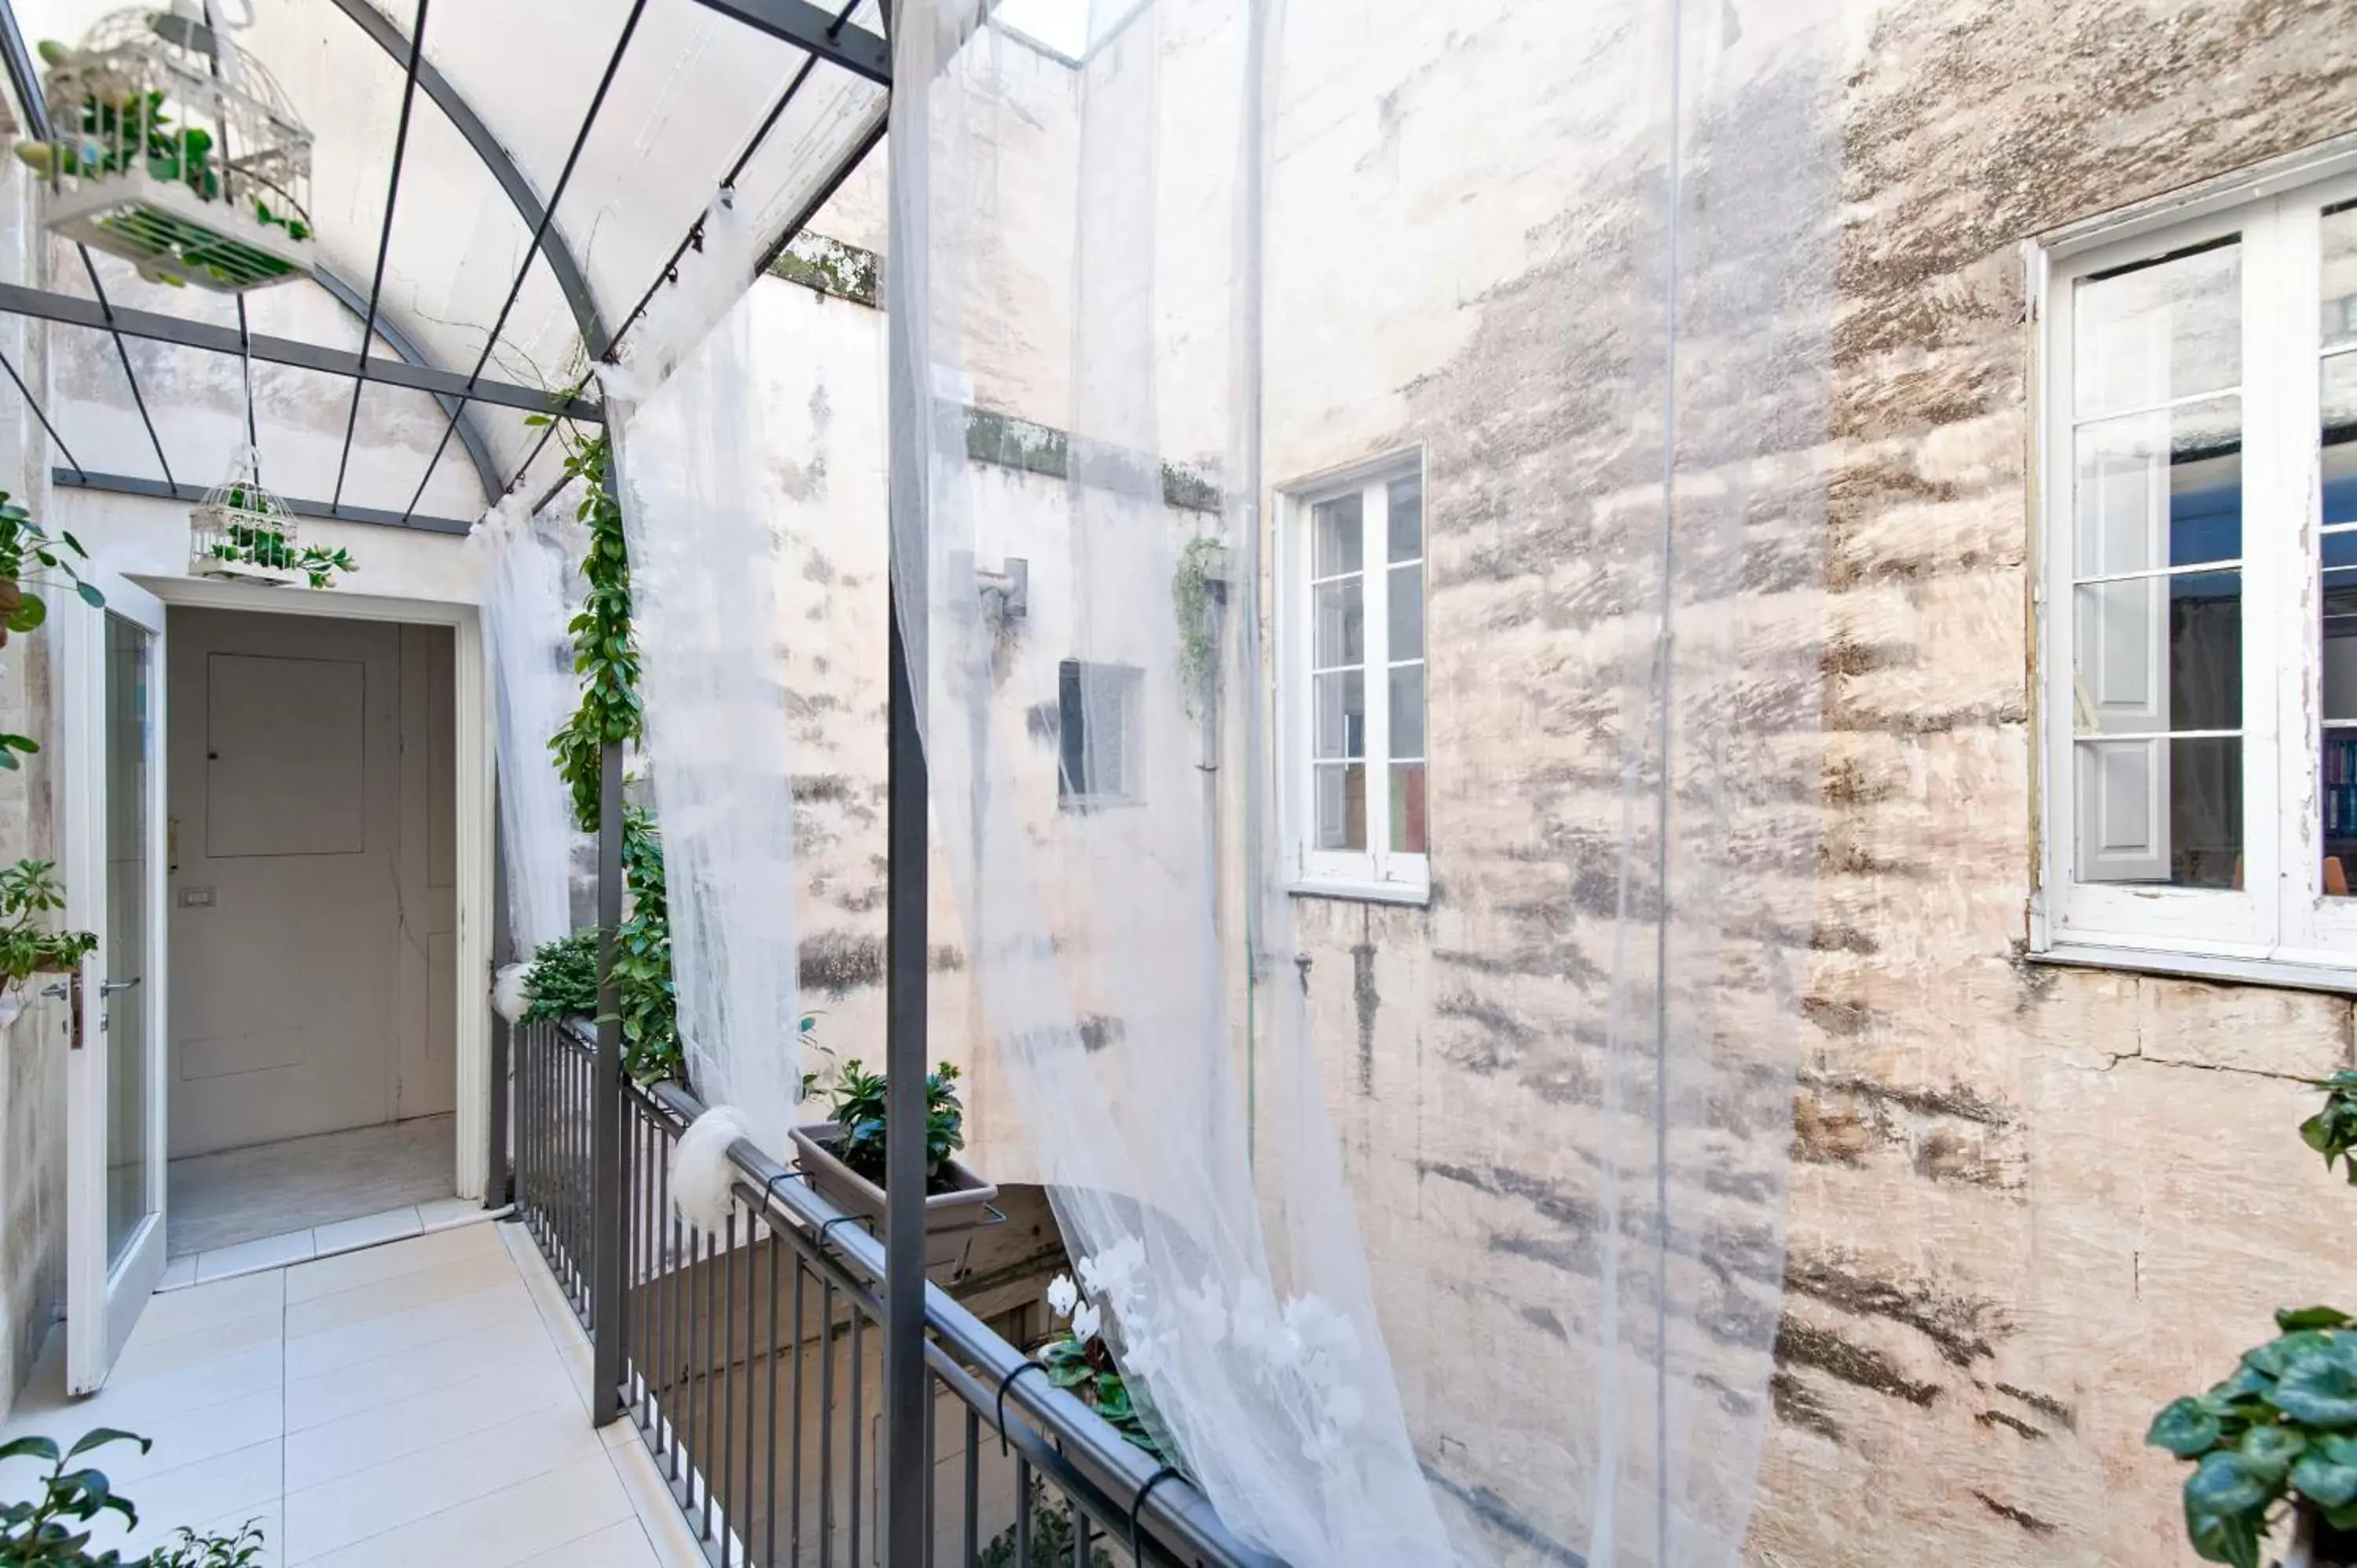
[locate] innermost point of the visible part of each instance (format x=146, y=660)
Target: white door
x=111, y=671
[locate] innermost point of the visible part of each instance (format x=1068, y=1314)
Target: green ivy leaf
x=2184, y=1428
x=2220, y=1485
x=2290, y=1320
x=2268, y=1452
x=2318, y=1389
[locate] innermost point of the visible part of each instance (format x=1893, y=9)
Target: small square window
x=1096, y=734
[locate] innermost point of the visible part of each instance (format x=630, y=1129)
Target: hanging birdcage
x=175, y=152
x=243, y=530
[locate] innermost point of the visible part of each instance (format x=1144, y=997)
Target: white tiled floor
x=320, y=1241
x=421, y=1401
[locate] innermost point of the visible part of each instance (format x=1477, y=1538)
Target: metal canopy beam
x=128, y=485
x=71, y=311
x=806, y=26
x=461, y=115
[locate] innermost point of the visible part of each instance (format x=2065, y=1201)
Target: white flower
x=1062, y=1295
x=1325, y=1333
x=1111, y=1275
x=1206, y=1311
x=1086, y=1321
x=1345, y=1406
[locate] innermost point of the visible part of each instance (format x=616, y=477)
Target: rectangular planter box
x=951, y=1218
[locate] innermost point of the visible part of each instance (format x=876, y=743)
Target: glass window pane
x=2166, y=812
x=2156, y=654
x=2339, y=438
x=1407, y=809
x=1404, y=507
x=2158, y=331
x=1405, y=614
x=2337, y=806
x=2159, y=490
x=1341, y=624
x=1342, y=807
x=1407, y=712
x=1337, y=537
x=1341, y=721
x=2340, y=275
x=127, y=720
x=2336, y=625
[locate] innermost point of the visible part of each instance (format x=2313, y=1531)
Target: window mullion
x=2291, y=457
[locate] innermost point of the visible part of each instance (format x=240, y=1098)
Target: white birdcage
x=176, y=151
x=243, y=530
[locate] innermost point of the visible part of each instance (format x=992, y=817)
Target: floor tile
x=424, y=1420
x=533, y=1519
x=243, y=1483
x=340, y=1513
x=140, y=1362
x=622, y=1545
x=267, y=1189
x=208, y=1306
x=346, y=1235
x=401, y=1292
x=193, y=1436
x=266, y=1252
x=462, y=1356
x=497, y=1306
x=138, y=1403
x=327, y=1275
x=444, y=1212
x=179, y=1272
x=651, y=1498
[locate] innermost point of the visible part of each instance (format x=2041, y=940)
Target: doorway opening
x=312, y=866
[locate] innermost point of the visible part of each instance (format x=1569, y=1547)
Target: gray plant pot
x=951, y=1218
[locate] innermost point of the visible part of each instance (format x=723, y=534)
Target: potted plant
x=843, y=1157
x=21, y=540
x=2274, y=1445
x=29, y=889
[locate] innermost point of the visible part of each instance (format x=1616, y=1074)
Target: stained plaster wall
x=2028, y=1204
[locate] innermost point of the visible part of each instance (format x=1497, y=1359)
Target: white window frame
x=1129, y=679
x=2278, y=927
x=1379, y=874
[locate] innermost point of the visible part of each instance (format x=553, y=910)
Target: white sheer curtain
x=527, y=603
x=1118, y=288
x=687, y=423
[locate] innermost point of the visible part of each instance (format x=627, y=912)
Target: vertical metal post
x=606, y=1113
x=904, y=1528
x=499, y=1186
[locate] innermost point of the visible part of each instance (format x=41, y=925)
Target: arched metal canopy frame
x=798, y=22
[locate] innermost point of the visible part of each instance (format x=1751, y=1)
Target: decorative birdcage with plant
x=176, y=151
x=243, y=530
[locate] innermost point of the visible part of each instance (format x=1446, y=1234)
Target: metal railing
x=752, y=1365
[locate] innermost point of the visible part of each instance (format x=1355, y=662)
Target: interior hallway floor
x=299, y=1184
x=423, y=1401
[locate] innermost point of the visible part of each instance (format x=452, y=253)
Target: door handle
x=109, y=987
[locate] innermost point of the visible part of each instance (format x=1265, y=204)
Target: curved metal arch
x=471, y=433
x=496, y=161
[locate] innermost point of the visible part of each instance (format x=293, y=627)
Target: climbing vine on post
x=605, y=658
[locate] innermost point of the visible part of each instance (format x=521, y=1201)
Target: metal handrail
x=1066, y=1443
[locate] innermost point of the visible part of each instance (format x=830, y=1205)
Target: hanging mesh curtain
x=1582, y=286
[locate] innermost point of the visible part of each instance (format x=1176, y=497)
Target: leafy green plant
x=2332, y=1132
x=2275, y=1442
x=645, y=995
x=266, y=547
x=54, y=1526
x=562, y=979
x=1194, y=593
x=1052, y=1542
x=28, y=890
x=1079, y=1361
x=187, y=1548
x=858, y=1107
x=605, y=653
x=24, y=541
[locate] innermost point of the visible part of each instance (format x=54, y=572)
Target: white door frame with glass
x=111, y=683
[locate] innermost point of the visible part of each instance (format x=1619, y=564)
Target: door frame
x=97, y=1287
x=472, y=751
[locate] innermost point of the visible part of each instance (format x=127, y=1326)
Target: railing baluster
x=932, y=1464
x=971, y=1543
x=728, y=1377
x=826, y=1425
x=859, y=1422
x=777, y=1348
x=794, y=1453
x=711, y=1320
x=1023, y=1512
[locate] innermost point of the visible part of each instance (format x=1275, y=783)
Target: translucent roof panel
x=680, y=92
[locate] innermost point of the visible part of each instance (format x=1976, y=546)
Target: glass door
x=111, y=780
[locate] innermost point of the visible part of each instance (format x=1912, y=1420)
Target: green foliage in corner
x=562, y=979
x=646, y=996
x=2275, y=1442
x=54, y=1527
